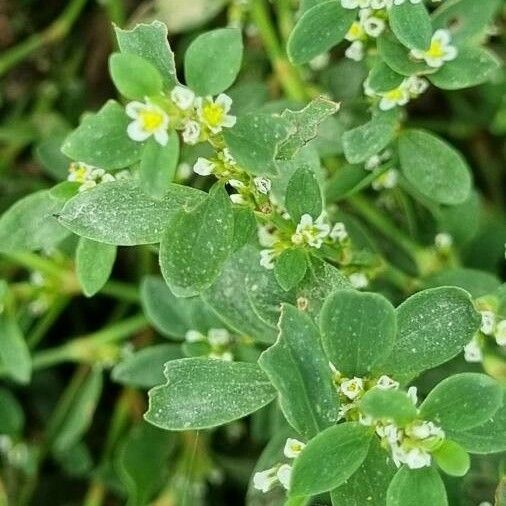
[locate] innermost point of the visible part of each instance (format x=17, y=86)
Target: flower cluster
x=88, y=176
x=376, y=4
x=409, y=89
x=370, y=24
x=439, y=51
x=490, y=327
x=280, y=473
x=217, y=343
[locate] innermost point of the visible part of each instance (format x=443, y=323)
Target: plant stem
x=115, y=11
x=44, y=324
x=58, y=30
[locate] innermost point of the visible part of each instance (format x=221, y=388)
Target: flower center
x=151, y=120
x=436, y=49
x=395, y=94
x=356, y=31
x=213, y=114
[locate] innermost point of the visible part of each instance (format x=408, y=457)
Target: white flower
x=413, y=395
x=487, y=322
x=339, y=232
x=472, y=351
x=265, y=480
x=355, y=51
x=390, y=433
x=203, y=166
x=443, y=241
x=262, y=184
x=400, y=2
x=218, y=337
x=148, y=120
x=353, y=4
x=214, y=113
x=424, y=430
x=416, y=85
x=386, y=181
x=311, y=232
x=183, y=171
x=414, y=458
x=387, y=383
x=191, y=132
x=366, y=420
x=439, y=52
x=373, y=26
x=194, y=336
x=395, y=97
x=221, y=355
x=293, y=447
x=352, y=388
x=320, y=62
x=284, y=475
x=267, y=237
x=358, y=280
x=237, y=198
x=267, y=258
x=355, y=32
x=87, y=175
x=500, y=333
x=183, y=97
x=235, y=183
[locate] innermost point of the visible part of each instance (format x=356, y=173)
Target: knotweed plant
x=315, y=266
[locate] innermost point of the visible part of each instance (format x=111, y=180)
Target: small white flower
x=214, y=113
x=413, y=395
x=203, y=166
x=414, y=458
x=358, y=280
x=238, y=199
x=293, y=447
x=387, y=383
x=311, y=232
x=148, y=120
x=183, y=171
x=284, y=475
x=416, y=86
x=267, y=257
x=191, y=132
x=194, y=336
x=265, y=480
x=366, y=420
x=400, y=2
x=443, y=241
x=439, y=52
x=386, y=181
x=339, y=232
x=487, y=322
x=390, y=433
x=218, y=337
x=355, y=51
x=356, y=32
x=353, y=4
x=372, y=163
x=352, y=388
x=424, y=430
x=262, y=184
x=500, y=333
x=320, y=62
x=235, y=183
x=183, y=97
x=396, y=97
x=373, y=26
x=472, y=351
x=267, y=237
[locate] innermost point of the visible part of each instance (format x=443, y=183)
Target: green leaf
x=411, y=25
x=298, y=368
x=213, y=61
x=29, y=225
x=14, y=354
x=463, y=401
x=120, y=213
x=101, y=139
x=150, y=42
x=368, y=485
x=158, y=166
x=303, y=194
x=144, y=368
x=452, y=458
x=304, y=125
x=134, y=77
x=12, y=417
x=362, y=142
x=473, y=66
x=417, y=487
x=141, y=462
x=245, y=227
x=254, y=139
x=432, y=327
x=358, y=330
x=388, y=405
x=290, y=268
x=196, y=244
x=435, y=168
x=489, y=437
x=330, y=459
x=477, y=283
x=203, y=393
x=382, y=78
x=94, y=262
x=80, y=413
x=318, y=30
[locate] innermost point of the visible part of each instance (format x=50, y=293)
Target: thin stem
x=41, y=328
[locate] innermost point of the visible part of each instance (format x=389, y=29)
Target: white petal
x=225, y=101
x=161, y=136
x=134, y=108
x=136, y=132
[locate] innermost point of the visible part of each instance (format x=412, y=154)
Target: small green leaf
x=330, y=459
x=382, y=78
x=196, y=244
x=452, y=458
x=411, y=25
x=120, y=213
x=134, y=77
x=213, y=61
x=245, y=227
x=318, y=30
x=473, y=66
x=303, y=195
x=203, y=393
x=463, y=401
x=388, y=405
x=290, y=268
x=150, y=42
x=358, y=330
x=298, y=368
x=14, y=354
x=362, y=142
x=101, y=139
x=158, y=166
x=12, y=417
x=432, y=327
x=417, y=487
x=94, y=262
